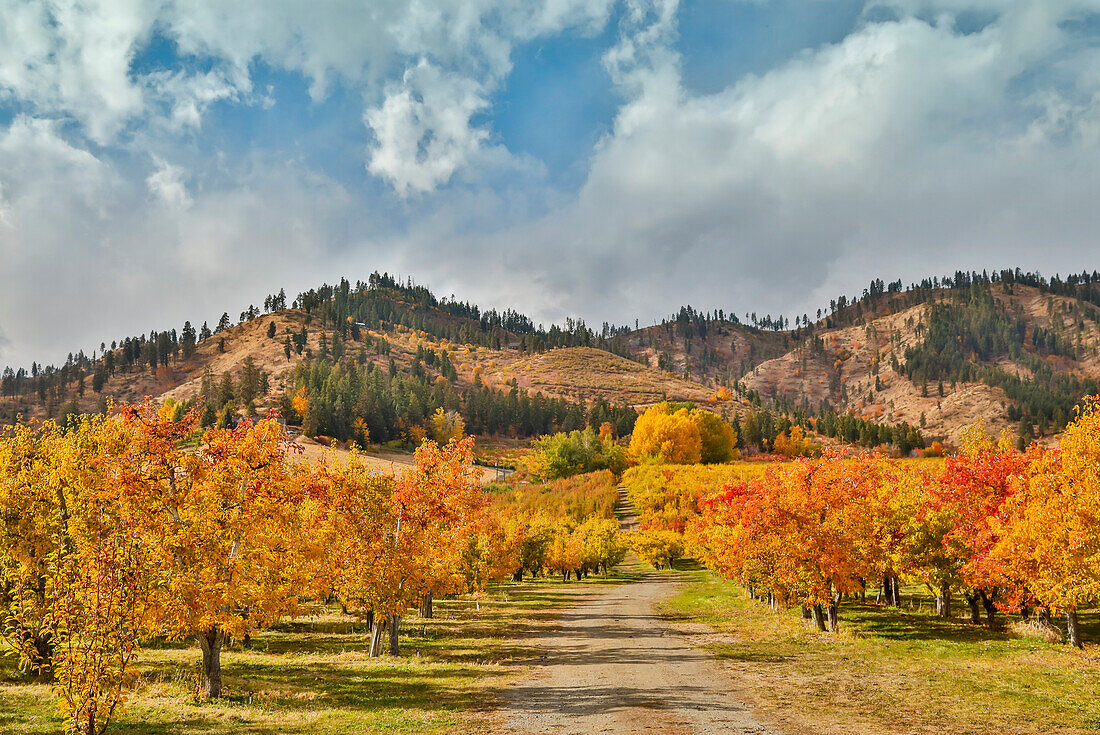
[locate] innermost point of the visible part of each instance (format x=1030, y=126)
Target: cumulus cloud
x=423, y=128
x=922, y=141
x=910, y=147
x=74, y=59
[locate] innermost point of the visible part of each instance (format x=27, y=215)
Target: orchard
x=123, y=530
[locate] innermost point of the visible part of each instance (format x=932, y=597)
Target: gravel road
x=609, y=666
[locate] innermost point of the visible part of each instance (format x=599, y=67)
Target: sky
x=168, y=160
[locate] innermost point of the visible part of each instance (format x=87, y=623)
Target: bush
x=573, y=453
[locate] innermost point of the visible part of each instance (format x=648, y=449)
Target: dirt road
x=610, y=667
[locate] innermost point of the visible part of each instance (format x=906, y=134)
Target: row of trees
x=1014, y=531
x=384, y=301
x=565, y=527
x=139, y=526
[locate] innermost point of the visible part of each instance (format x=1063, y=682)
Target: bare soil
x=611, y=665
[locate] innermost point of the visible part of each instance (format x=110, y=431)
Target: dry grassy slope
x=586, y=373
x=846, y=366
x=242, y=341
x=851, y=353
x=182, y=378
x=735, y=347
x=1068, y=316
x=777, y=364
x=579, y=373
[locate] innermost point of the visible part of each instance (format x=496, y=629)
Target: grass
x=312, y=674
x=891, y=670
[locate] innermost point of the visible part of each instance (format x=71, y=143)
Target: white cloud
x=74, y=59
x=906, y=148
x=188, y=96
x=423, y=129
x=168, y=186
x=39, y=168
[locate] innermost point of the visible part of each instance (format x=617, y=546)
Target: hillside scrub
x=964, y=339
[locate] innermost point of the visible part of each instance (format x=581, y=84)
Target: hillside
x=376, y=359
x=973, y=345
x=586, y=373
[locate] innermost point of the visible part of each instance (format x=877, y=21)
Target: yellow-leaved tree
x=78, y=582
x=680, y=433
x=1050, y=540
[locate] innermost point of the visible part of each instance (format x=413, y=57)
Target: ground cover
x=313, y=675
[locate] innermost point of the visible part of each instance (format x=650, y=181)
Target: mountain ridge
x=869, y=357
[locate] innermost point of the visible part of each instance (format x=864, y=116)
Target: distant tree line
x=354, y=399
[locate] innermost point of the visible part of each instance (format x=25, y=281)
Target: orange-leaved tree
x=388, y=543
x=807, y=533
x=973, y=488
x=222, y=519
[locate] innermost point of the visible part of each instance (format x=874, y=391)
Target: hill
x=375, y=360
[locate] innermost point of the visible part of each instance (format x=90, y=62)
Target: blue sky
x=162, y=161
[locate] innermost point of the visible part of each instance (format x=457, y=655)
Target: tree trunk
x=378, y=626
x=395, y=626
x=370, y=619
x=518, y=576
x=834, y=622
x=895, y=586
x=819, y=617
x=91, y=724
x=806, y=614
x=43, y=648
x=1073, y=629
x=990, y=610
x=943, y=601
x=975, y=612
x=426, y=609
x=211, y=642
